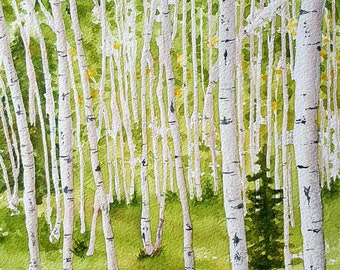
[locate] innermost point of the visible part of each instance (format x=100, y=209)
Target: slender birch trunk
x=12, y=197
x=233, y=203
x=26, y=148
x=197, y=171
x=286, y=251
x=93, y=142
x=50, y=110
x=239, y=102
x=271, y=41
x=145, y=224
x=189, y=262
x=336, y=139
x=307, y=78
x=184, y=63
x=65, y=133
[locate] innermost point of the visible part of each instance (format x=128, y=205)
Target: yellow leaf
x=293, y=33
x=325, y=40
x=324, y=76
x=274, y=105
x=73, y=52
x=323, y=54
x=90, y=73
x=292, y=24
x=338, y=58
x=94, y=93
x=178, y=91
x=188, y=74
x=80, y=100
x=213, y=42
x=148, y=70
x=278, y=71
x=137, y=75
x=264, y=77
x=116, y=45
x=179, y=60
x=245, y=64
x=332, y=73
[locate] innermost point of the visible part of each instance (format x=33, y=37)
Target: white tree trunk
x=197, y=169
x=307, y=78
x=189, y=262
x=65, y=134
x=26, y=148
x=233, y=203
x=93, y=142
x=184, y=63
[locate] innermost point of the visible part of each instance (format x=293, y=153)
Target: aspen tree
x=117, y=128
x=336, y=139
x=26, y=148
x=183, y=61
x=34, y=94
x=65, y=133
x=195, y=116
x=233, y=203
x=79, y=143
x=270, y=42
x=12, y=197
x=145, y=215
x=93, y=143
x=239, y=102
x=284, y=143
x=189, y=262
x=307, y=78
x=50, y=110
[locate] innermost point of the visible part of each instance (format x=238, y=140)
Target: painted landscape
x=167, y=134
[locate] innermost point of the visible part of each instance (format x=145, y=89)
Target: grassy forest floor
x=210, y=238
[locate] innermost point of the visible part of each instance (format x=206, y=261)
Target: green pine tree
x=264, y=221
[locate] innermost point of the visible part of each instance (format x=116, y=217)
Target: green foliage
x=264, y=221
x=332, y=193
x=171, y=196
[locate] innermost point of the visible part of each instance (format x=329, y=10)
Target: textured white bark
x=258, y=75
x=252, y=74
x=239, y=102
x=307, y=78
x=329, y=100
x=208, y=119
x=79, y=144
x=50, y=110
x=189, y=262
x=34, y=94
x=233, y=203
x=165, y=151
x=184, y=64
x=287, y=259
x=261, y=18
x=145, y=215
x=322, y=143
x=336, y=139
x=126, y=124
x=270, y=45
x=65, y=134
x=93, y=143
x=12, y=197
x=197, y=169
x=116, y=128
x=26, y=148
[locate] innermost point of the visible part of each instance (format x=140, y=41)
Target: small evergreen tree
x=264, y=221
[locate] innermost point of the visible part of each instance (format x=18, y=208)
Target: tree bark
x=26, y=148
x=307, y=78
x=233, y=203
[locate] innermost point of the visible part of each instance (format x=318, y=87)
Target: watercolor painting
x=167, y=134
